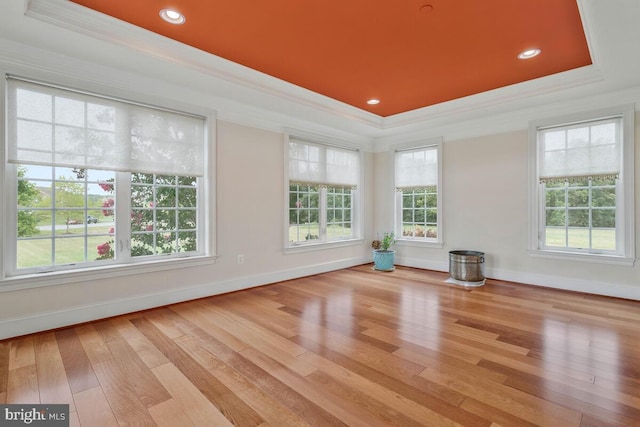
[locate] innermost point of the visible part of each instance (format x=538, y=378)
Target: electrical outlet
x=240, y=259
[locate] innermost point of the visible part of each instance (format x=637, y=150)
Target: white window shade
x=592, y=149
x=53, y=126
x=322, y=164
x=416, y=168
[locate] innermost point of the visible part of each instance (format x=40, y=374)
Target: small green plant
x=388, y=239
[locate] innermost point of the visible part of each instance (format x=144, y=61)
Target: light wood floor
x=352, y=347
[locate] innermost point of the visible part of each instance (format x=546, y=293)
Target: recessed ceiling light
x=529, y=53
x=373, y=101
x=426, y=8
x=172, y=16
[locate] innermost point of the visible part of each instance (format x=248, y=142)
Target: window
x=583, y=185
x=418, y=196
x=99, y=181
x=323, y=187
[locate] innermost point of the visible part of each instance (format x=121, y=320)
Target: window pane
x=188, y=241
x=603, y=218
x=155, y=218
x=187, y=219
x=555, y=217
x=555, y=198
x=69, y=250
x=578, y=218
x=578, y=197
x=303, y=213
x=166, y=197
x=419, y=217
x=407, y=200
x=34, y=253
x=68, y=204
x=578, y=238
x=603, y=197
x=555, y=237
x=604, y=239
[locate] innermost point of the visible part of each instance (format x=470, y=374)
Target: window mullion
x=123, y=216
x=322, y=220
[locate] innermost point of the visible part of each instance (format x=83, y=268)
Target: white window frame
x=625, y=217
x=10, y=281
x=356, y=198
x=396, y=196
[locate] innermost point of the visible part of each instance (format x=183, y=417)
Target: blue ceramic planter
x=383, y=260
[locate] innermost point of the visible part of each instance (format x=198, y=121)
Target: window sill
x=309, y=247
x=420, y=243
x=574, y=256
x=88, y=274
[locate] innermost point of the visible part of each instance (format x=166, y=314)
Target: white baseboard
x=557, y=282
x=74, y=315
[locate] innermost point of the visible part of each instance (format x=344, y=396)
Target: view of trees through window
x=420, y=212
x=306, y=219
x=67, y=216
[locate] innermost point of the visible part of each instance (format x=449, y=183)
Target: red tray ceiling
x=407, y=53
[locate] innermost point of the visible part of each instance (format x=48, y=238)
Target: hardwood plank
x=21, y=353
x=339, y=408
x=253, y=384
x=125, y=403
x=197, y=313
x=149, y=354
x=378, y=412
x=52, y=378
x=589, y=400
x=271, y=410
x=93, y=344
x=4, y=370
x=76, y=363
x=170, y=414
x=412, y=387
x=23, y=385
x=74, y=421
x=226, y=401
x=199, y=410
x=144, y=383
x=498, y=416
x=378, y=392
x=260, y=338
x=93, y=408
x=507, y=399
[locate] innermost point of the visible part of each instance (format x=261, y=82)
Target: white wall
x=250, y=221
x=486, y=209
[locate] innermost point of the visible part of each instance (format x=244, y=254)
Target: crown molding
x=509, y=121
x=480, y=103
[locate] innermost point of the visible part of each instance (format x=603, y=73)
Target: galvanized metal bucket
x=466, y=266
